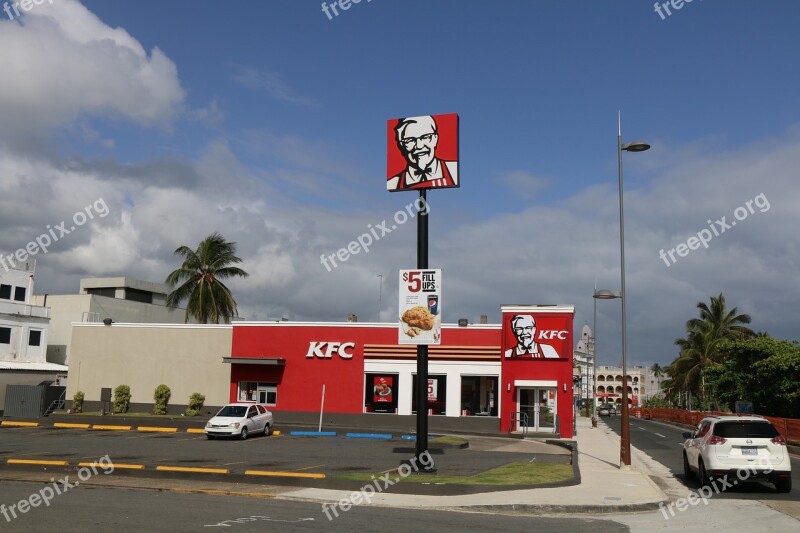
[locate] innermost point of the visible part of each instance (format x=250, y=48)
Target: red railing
x=788, y=427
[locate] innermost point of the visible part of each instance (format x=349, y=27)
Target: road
x=663, y=442
x=87, y=508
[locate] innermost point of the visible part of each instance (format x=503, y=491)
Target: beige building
x=118, y=299
x=641, y=383
x=188, y=358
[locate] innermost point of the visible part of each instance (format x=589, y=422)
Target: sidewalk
x=603, y=487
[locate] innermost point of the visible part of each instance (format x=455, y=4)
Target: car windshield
x=745, y=429
x=233, y=411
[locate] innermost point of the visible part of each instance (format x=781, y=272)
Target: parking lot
x=296, y=456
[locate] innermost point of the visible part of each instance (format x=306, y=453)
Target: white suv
x=740, y=447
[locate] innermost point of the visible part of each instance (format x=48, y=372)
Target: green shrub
x=77, y=402
x=122, y=399
x=161, y=397
x=196, y=401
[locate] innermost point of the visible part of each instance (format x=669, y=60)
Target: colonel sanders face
x=524, y=328
x=417, y=139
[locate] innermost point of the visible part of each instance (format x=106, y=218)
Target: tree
x=727, y=325
x=762, y=370
x=700, y=349
x=200, y=275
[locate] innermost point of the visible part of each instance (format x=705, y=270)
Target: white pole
x=321, y=407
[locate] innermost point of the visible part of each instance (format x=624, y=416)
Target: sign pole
x=321, y=408
x=422, y=349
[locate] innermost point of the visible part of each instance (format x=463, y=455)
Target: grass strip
x=508, y=474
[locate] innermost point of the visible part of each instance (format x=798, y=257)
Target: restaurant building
x=516, y=375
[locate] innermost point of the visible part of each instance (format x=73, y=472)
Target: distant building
x=117, y=299
x=642, y=384
x=583, y=356
x=23, y=335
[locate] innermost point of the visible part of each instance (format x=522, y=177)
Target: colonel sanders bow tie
x=423, y=173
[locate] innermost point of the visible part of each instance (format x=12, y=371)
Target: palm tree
x=723, y=324
x=700, y=348
x=208, y=299
x=657, y=370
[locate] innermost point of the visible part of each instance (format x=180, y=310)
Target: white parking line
x=660, y=435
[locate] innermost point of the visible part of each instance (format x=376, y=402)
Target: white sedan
x=240, y=420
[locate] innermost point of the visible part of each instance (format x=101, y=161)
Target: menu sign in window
x=382, y=389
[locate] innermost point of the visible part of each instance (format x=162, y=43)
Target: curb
x=542, y=509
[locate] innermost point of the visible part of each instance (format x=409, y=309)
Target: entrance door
x=537, y=406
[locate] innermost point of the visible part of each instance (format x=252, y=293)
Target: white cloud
x=61, y=62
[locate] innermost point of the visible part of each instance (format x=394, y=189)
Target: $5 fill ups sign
x=420, y=306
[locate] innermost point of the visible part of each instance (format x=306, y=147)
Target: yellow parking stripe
x=114, y=465
x=36, y=462
x=69, y=425
x=193, y=469
x=195, y=430
x=112, y=428
x=19, y=424
x=283, y=474
x=157, y=429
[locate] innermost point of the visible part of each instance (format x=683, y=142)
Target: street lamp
x=625, y=439
x=601, y=294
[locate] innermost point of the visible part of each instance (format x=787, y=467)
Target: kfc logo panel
x=535, y=337
x=423, y=153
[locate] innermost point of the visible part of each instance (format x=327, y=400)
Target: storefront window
x=437, y=395
x=479, y=396
x=260, y=392
x=380, y=393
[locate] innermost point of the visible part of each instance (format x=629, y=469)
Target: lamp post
x=380, y=297
x=625, y=437
x=601, y=294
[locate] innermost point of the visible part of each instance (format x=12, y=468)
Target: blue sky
x=265, y=121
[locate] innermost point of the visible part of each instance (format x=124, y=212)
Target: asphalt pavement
x=601, y=486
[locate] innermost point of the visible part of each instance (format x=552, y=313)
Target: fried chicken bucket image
x=419, y=317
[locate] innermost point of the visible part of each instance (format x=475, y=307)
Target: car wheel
x=211, y=437
x=243, y=434
x=268, y=430
x=783, y=485
x=703, y=474
x=687, y=470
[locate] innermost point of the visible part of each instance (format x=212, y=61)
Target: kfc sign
x=536, y=335
x=552, y=334
x=422, y=153
x=326, y=350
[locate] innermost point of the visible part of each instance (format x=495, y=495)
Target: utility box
x=31, y=401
